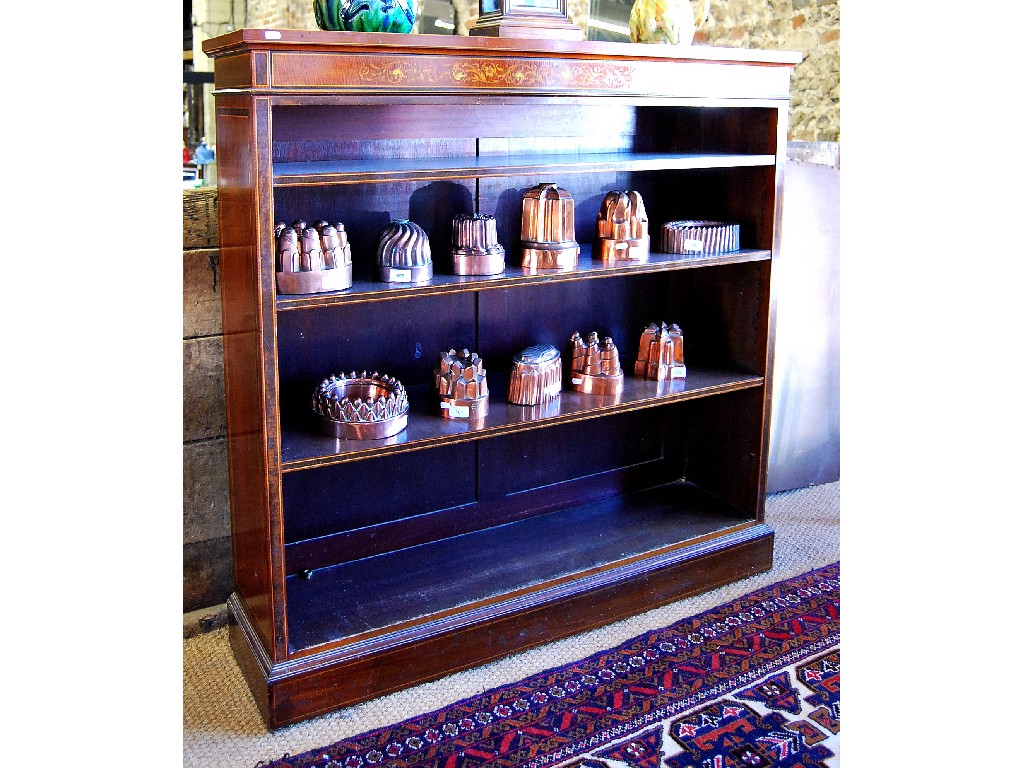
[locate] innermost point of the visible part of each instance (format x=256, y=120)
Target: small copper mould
x=594, y=367
x=475, y=246
x=312, y=259
x=693, y=236
x=549, y=229
x=403, y=253
x=361, y=406
x=661, y=353
x=461, y=383
x=536, y=375
x=622, y=232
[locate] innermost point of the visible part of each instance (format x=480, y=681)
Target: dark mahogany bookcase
x=362, y=567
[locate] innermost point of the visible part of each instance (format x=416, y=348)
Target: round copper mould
x=549, y=228
x=312, y=259
x=361, y=406
x=475, y=246
x=536, y=375
x=697, y=236
x=594, y=367
x=461, y=383
x=403, y=253
x=622, y=228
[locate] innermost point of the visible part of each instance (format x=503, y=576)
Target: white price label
x=456, y=411
x=577, y=381
x=271, y=34
x=678, y=371
x=401, y=275
x=552, y=389
x=693, y=245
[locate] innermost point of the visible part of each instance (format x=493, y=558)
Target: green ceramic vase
x=365, y=15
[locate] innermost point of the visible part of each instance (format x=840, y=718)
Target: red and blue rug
x=754, y=682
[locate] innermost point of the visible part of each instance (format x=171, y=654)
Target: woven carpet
x=744, y=675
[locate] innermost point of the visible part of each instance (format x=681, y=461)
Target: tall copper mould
x=403, y=253
x=312, y=259
x=698, y=236
x=549, y=229
x=461, y=383
x=622, y=232
x=661, y=353
x=536, y=375
x=361, y=406
x=475, y=246
x=594, y=365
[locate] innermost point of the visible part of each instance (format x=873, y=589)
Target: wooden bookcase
x=365, y=567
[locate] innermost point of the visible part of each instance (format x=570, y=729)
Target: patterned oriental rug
x=754, y=682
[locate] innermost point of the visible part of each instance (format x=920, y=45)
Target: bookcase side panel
x=248, y=322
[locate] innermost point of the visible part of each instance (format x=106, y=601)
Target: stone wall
x=206, y=525
x=280, y=14
x=808, y=26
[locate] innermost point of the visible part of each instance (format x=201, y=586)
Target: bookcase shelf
x=361, y=171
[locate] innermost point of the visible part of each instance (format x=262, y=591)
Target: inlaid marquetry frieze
x=491, y=73
x=369, y=73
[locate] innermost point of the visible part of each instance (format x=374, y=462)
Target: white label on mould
x=678, y=372
x=577, y=381
x=271, y=34
x=552, y=389
x=401, y=275
x=693, y=245
x=456, y=411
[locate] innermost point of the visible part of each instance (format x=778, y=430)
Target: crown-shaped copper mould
x=622, y=230
x=403, y=253
x=361, y=406
x=549, y=228
x=461, y=383
x=312, y=259
x=696, y=236
x=475, y=246
x=661, y=353
x=536, y=375
x=594, y=367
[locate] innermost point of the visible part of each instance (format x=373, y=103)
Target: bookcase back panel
x=402, y=339
x=347, y=497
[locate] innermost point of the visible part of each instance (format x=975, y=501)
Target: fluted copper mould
x=536, y=375
x=549, y=229
x=594, y=365
x=700, y=236
x=661, y=353
x=403, y=253
x=461, y=383
x=312, y=259
x=361, y=406
x=622, y=232
x=475, y=246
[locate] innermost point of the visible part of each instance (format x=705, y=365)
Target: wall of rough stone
x=808, y=26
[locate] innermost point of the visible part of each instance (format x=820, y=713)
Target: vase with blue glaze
x=365, y=15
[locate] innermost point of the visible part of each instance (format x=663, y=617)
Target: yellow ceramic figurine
x=666, y=21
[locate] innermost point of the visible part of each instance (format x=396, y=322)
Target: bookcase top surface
x=355, y=42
